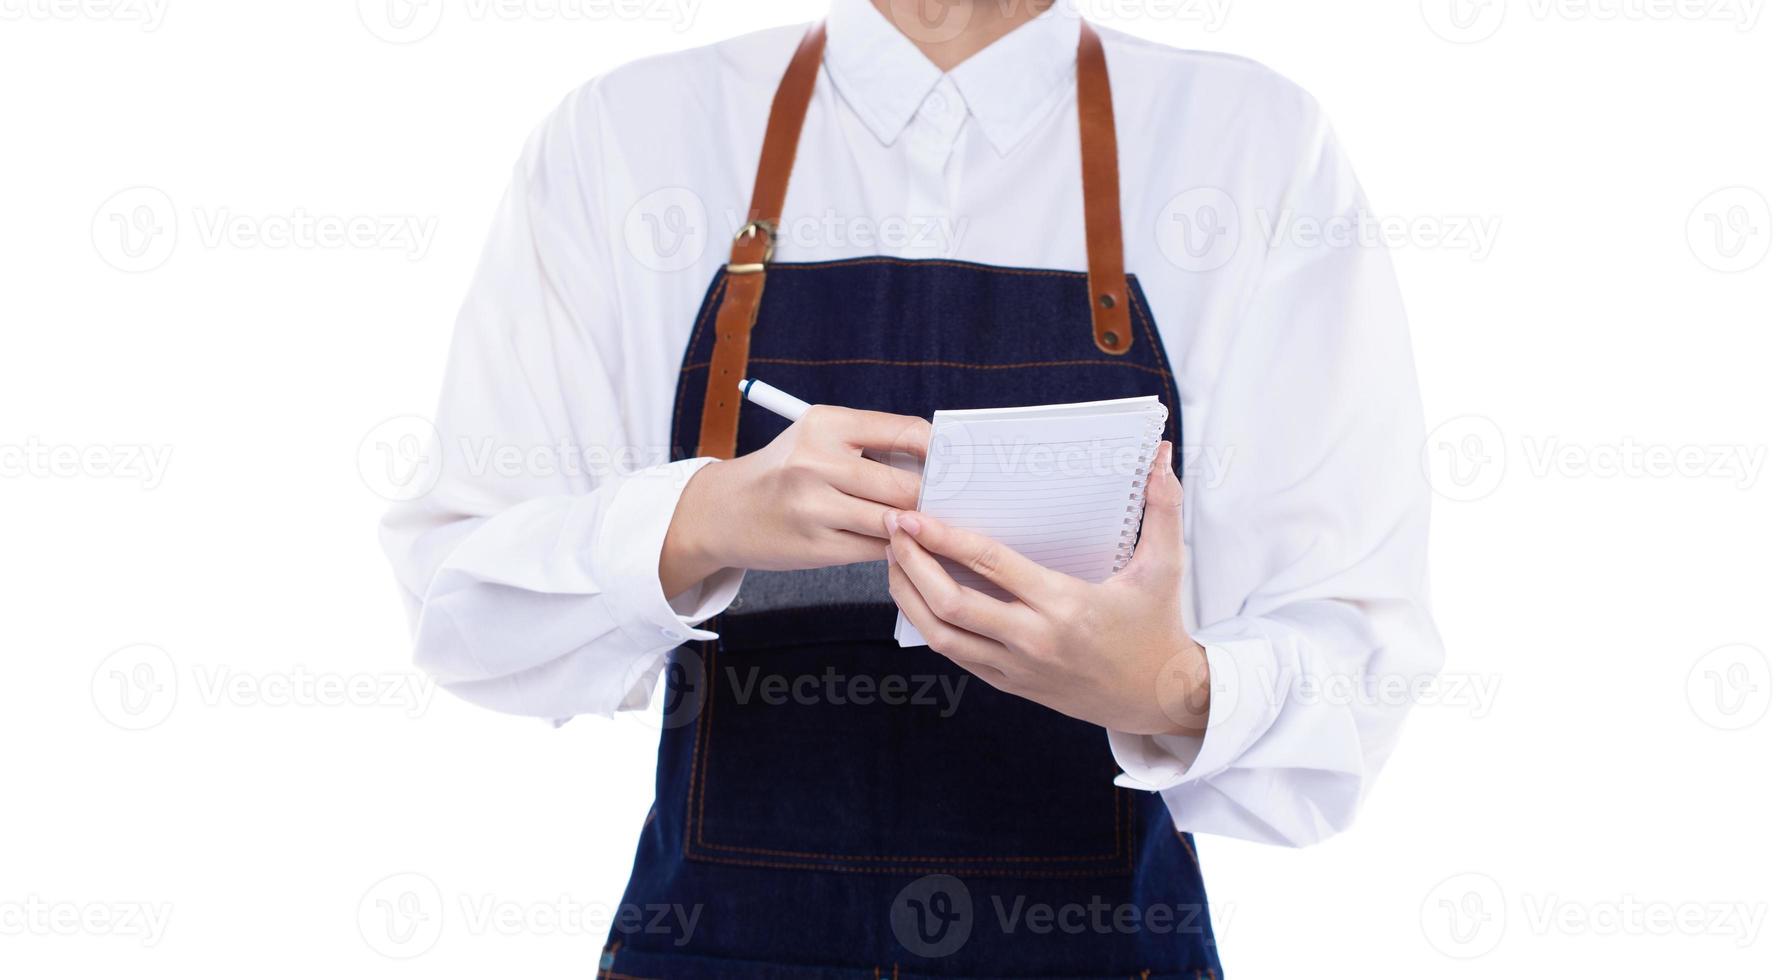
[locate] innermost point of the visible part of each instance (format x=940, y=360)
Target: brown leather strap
x=746, y=275
x=1102, y=198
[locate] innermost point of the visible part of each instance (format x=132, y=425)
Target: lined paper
x=1059, y=484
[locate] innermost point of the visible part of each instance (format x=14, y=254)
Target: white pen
x=773, y=399
x=790, y=408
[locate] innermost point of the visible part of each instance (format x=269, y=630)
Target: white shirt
x=532, y=563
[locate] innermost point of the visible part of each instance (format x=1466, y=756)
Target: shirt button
x=936, y=104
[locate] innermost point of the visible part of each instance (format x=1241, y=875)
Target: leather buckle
x=751, y=230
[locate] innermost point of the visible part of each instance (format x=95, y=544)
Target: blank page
x=1061, y=484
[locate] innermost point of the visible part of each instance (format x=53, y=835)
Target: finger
x=1161, y=530
x=881, y=430
x=996, y=562
x=976, y=654
x=845, y=548
x=845, y=513
x=875, y=481
x=965, y=607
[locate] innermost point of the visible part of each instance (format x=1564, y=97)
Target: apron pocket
x=822, y=745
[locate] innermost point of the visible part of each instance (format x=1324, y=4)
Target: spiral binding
x=1136, y=494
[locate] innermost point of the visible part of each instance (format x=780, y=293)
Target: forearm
x=1305, y=704
x=690, y=553
x=551, y=606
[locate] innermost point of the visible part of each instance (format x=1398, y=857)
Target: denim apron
x=829, y=804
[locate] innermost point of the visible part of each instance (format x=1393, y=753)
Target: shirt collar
x=1007, y=87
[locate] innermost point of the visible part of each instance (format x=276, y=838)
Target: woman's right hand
x=808, y=499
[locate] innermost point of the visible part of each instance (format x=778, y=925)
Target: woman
x=942, y=216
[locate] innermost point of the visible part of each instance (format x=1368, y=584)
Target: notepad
x=1063, y=485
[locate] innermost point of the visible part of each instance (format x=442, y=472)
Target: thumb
x=1161, y=533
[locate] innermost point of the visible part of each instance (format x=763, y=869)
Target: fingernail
x=910, y=523
x=891, y=522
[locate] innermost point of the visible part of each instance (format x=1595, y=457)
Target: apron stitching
x=810, y=361
x=706, y=746
x=919, y=263
x=700, y=838
x=681, y=390
x=1158, y=353
x=918, y=869
x=687, y=832
x=1074, y=859
x=1133, y=811
x=709, y=306
x=1184, y=839
x=723, y=279
x=710, y=310
x=1158, y=347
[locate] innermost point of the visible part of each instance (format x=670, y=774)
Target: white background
x=1600, y=767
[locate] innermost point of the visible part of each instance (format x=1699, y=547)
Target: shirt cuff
x=631, y=546
x=1242, y=703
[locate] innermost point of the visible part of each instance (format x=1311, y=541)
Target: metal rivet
x=1107, y=300
x=1110, y=340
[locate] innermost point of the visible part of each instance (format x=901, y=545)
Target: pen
x=773, y=399
x=790, y=408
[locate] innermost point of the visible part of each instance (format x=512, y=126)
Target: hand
x=806, y=500
x=1115, y=654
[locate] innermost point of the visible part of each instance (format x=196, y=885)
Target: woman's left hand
x=1115, y=653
